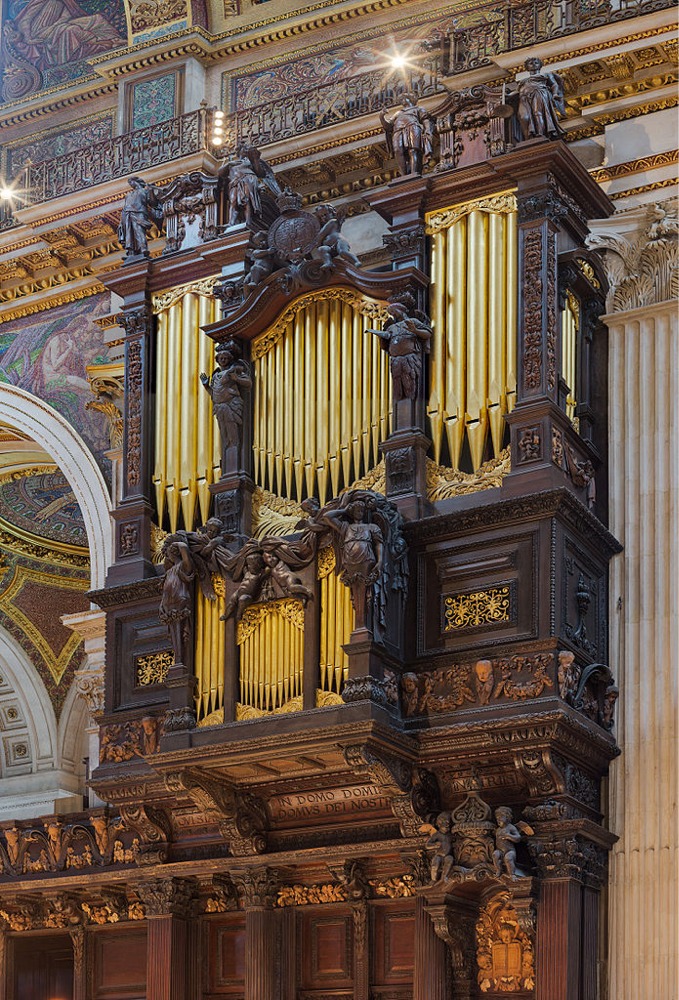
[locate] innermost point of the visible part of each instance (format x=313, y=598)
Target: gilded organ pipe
x=209, y=651
x=187, y=458
x=337, y=623
x=473, y=311
x=322, y=395
x=570, y=324
x=270, y=638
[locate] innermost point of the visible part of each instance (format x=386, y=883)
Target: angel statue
x=230, y=380
x=331, y=243
x=538, y=100
x=410, y=135
x=141, y=211
x=507, y=836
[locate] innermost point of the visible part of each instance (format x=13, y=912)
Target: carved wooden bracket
x=241, y=817
x=413, y=792
x=152, y=826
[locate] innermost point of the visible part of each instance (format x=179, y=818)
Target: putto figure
x=540, y=99
x=232, y=377
x=410, y=135
x=141, y=211
x=406, y=338
x=507, y=836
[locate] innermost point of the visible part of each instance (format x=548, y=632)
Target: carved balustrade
x=515, y=26
x=332, y=103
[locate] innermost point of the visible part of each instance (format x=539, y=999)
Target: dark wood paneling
x=224, y=963
x=393, y=943
x=43, y=968
x=326, y=942
x=119, y=964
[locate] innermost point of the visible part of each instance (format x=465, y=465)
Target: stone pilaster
x=89, y=678
x=640, y=256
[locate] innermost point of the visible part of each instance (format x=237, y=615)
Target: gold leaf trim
x=443, y=482
x=164, y=300
x=244, y=712
x=370, y=308
x=326, y=562
x=482, y=607
x=288, y=608
x=504, y=203
x=273, y=515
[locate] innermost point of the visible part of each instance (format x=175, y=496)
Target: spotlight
x=398, y=62
x=6, y=193
x=217, y=140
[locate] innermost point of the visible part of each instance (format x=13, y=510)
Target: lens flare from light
x=6, y=193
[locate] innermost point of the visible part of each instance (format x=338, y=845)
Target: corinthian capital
x=640, y=252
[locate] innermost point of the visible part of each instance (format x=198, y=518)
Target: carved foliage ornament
x=58, y=846
x=504, y=951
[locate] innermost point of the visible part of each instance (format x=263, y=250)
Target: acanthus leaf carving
x=241, y=817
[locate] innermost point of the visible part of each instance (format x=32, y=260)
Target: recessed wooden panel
x=119, y=959
x=225, y=956
x=43, y=968
x=393, y=943
x=325, y=942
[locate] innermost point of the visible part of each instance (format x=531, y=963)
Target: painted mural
x=45, y=43
x=47, y=355
x=43, y=504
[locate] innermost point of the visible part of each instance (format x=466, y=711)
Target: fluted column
x=431, y=958
x=169, y=908
x=258, y=889
x=641, y=261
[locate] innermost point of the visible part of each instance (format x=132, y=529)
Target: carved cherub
x=262, y=257
x=441, y=843
x=409, y=694
x=507, y=836
x=331, y=242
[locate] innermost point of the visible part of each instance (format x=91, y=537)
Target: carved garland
x=532, y=309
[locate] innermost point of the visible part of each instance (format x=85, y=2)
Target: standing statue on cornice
x=244, y=178
x=231, y=378
x=141, y=211
x=539, y=100
x=410, y=135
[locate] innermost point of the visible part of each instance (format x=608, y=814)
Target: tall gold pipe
x=438, y=344
x=356, y=386
x=173, y=455
x=366, y=372
x=335, y=378
x=346, y=333
x=511, y=230
x=188, y=386
x=160, y=443
x=278, y=441
x=477, y=336
x=298, y=406
x=497, y=322
x=456, y=337
x=324, y=404
x=308, y=392
x=289, y=409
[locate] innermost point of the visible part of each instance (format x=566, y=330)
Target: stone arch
x=45, y=425
x=34, y=776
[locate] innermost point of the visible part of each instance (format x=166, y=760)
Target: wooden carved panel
x=119, y=964
x=224, y=963
x=327, y=959
x=480, y=595
x=43, y=968
x=393, y=943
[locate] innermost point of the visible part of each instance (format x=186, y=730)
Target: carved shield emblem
x=294, y=235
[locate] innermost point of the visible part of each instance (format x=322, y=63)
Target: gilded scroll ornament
x=443, y=482
x=368, y=308
x=504, y=951
x=152, y=668
x=503, y=204
x=164, y=300
x=290, y=610
x=481, y=607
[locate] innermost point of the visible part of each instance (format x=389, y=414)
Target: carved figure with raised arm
x=410, y=135
x=231, y=378
x=406, y=338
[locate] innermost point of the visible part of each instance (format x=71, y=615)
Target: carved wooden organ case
x=388, y=784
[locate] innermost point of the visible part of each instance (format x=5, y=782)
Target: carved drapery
x=187, y=448
x=473, y=311
x=322, y=395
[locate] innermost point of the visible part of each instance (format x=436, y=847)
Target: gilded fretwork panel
x=187, y=451
x=473, y=305
x=322, y=395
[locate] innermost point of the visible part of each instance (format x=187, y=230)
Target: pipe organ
x=322, y=395
x=473, y=303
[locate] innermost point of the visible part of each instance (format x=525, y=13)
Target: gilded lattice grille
x=473, y=305
x=187, y=457
x=270, y=638
x=322, y=395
